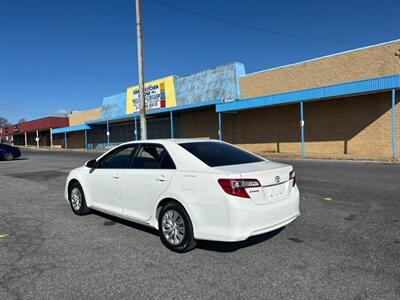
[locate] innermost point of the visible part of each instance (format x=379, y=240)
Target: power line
x=251, y=27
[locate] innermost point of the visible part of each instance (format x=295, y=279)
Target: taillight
x=292, y=176
x=237, y=187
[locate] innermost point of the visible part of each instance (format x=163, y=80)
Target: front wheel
x=77, y=200
x=8, y=156
x=175, y=227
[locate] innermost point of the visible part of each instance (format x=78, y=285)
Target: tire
x=8, y=156
x=77, y=200
x=174, y=217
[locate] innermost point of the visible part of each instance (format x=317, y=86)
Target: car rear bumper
x=247, y=219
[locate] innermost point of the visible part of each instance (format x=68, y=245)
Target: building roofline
x=157, y=79
x=38, y=119
x=156, y=111
x=321, y=57
x=83, y=111
x=208, y=69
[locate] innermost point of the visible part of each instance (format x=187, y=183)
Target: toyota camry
x=188, y=190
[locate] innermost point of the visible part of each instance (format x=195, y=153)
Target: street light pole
x=143, y=125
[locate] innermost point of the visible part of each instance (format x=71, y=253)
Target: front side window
x=153, y=157
x=216, y=154
x=120, y=158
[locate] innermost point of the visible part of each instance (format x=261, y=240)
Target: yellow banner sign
x=159, y=93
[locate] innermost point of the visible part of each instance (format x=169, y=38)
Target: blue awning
x=71, y=129
x=326, y=92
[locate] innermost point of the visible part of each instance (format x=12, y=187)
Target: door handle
x=115, y=176
x=161, y=178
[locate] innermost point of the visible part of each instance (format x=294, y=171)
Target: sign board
x=158, y=94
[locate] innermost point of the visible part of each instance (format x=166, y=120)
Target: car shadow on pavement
x=15, y=159
x=234, y=246
x=201, y=244
x=111, y=220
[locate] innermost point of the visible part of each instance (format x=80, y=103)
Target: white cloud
x=63, y=112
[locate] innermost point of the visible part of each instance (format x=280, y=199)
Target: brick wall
x=377, y=61
x=357, y=126
x=198, y=123
x=81, y=117
x=274, y=129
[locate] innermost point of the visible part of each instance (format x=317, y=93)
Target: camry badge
x=277, y=179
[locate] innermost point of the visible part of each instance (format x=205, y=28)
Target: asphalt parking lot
x=345, y=244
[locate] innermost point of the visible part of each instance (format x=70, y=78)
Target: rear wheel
x=77, y=200
x=8, y=156
x=175, y=227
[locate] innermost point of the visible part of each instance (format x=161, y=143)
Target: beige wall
x=84, y=116
x=274, y=129
x=357, y=126
x=362, y=64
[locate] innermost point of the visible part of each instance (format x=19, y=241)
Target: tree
x=3, y=122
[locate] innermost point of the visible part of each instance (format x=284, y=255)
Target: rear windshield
x=217, y=154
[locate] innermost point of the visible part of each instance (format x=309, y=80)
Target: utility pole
x=143, y=125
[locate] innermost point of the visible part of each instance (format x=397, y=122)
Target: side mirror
x=91, y=164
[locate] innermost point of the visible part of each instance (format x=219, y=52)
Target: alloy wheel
x=8, y=157
x=76, y=198
x=173, y=227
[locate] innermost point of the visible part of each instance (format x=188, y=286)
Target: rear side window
x=216, y=154
x=153, y=157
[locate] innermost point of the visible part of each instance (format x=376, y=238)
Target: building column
x=171, y=116
x=394, y=150
x=108, y=135
x=302, y=128
x=135, y=129
x=37, y=138
x=219, y=126
x=12, y=140
x=51, y=138
x=66, y=140
x=26, y=139
x=86, y=139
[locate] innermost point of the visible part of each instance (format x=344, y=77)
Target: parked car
x=187, y=189
x=8, y=152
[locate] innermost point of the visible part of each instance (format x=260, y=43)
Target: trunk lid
x=273, y=177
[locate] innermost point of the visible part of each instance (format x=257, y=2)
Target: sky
x=62, y=55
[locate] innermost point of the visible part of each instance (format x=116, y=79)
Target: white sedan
x=187, y=189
